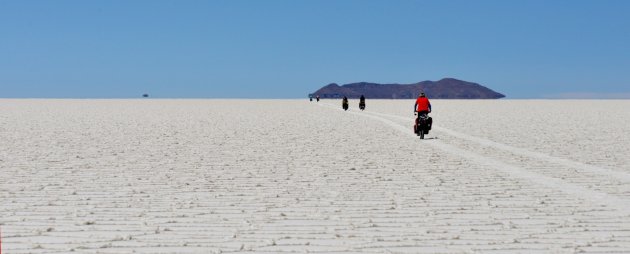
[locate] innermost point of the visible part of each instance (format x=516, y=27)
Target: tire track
x=596, y=197
x=524, y=152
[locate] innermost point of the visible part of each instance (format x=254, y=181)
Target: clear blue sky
x=286, y=49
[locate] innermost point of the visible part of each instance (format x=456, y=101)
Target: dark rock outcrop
x=447, y=88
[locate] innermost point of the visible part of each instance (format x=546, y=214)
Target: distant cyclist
x=423, y=108
x=344, y=103
x=362, y=102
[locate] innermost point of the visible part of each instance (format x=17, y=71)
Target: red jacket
x=423, y=104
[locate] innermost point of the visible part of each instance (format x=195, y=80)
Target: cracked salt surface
x=219, y=176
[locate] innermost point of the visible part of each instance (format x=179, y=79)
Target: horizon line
x=550, y=97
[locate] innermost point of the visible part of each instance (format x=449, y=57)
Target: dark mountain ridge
x=447, y=88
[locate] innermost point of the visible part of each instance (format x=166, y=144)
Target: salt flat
x=273, y=176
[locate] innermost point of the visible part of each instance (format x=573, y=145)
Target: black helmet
x=422, y=94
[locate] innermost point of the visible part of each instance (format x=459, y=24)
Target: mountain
x=447, y=88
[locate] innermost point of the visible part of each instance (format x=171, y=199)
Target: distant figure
x=146, y=95
x=317, y=97
x=362, y=103
x=344, y=103
x=423, y=108
x=310, y=97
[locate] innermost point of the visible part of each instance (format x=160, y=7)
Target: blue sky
x=287, y=49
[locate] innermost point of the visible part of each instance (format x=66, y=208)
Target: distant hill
x=447, y=88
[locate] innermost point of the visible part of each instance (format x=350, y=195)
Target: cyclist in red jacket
x=423, y=107
x=422, y=104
